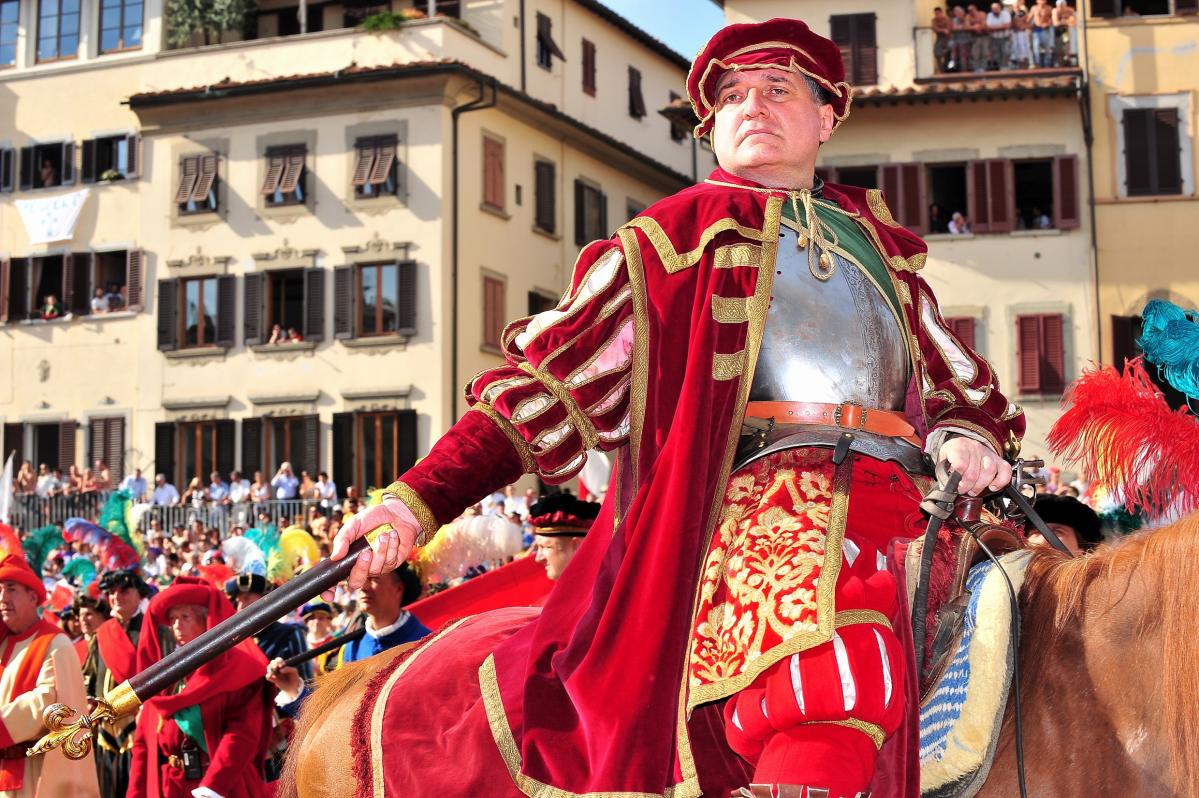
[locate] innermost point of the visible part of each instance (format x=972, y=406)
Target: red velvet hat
x=13, y=568
x=562, y=515
x=785, y=44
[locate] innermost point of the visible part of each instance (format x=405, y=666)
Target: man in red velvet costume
x=208, y=737
x=732, y=622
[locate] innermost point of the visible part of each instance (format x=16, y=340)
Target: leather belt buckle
x=850, y=415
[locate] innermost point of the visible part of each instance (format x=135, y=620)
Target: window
x=106, y=442
x=57, y=29
x=47, y=165
x=633, y=207
x=196, y=312
x=290, y=439
x=904, y=189
x=119, y=274
x=286, y=21
x=53, y=286
x=591, y=213
x=285, y=300
x=1142, y=8
x=13, y=442
x=494, y=316
x=286, y=176
x=636, y=100
x=376, y=168
x=197, y=191
x=545, y=188
x=678, y=130
x=109, y=158
x=10, y=11
x=202, y=447
x=293, y=299
x=371, y=449
x=493, y=173
x=547, y=48
x=999, y=195
x=1040, y=353
x=120, y=25
x=1126, y=330
x=854, y=34
x=1152, y=147
x=8, y=159
x=54, y=444
x=540, y=302
x=374, y=299
x=588, y=67
x=963, y=328
x=860, y=176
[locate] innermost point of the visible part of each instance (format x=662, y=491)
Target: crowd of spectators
x=1010, y=35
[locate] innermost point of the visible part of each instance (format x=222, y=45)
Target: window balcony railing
x=966, y=55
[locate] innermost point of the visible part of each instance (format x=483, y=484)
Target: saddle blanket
x=961, y=717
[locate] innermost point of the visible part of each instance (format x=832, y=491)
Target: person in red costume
x=208, y=737
x=765, y=363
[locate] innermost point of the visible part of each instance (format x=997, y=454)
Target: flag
x=6, y=496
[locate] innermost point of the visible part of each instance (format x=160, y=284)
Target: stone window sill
x=291, y=346
x=552, y=236
x=215, y=352
x=373, y=341
x=494, y=211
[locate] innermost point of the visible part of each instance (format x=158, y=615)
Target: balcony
x=935, y=64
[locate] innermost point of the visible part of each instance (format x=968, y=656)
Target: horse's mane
x=1168, y=560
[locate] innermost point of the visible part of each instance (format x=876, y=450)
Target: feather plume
x=296, y=549
x=1121, y=431
x=112, y=553
x=479, y=540
x=244, y=556
x=1170, y=340
x=115, y=517
x=39, y=543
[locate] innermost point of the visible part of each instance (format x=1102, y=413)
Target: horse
x=1109, y=671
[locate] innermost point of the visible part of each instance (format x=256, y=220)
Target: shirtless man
x=1042, y=34
x=1065, y=22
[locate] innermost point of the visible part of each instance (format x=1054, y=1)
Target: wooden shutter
x=314, y=304
x=1125, y=332
x=493, y=311
x=164, y=450
x=274, y=173
x=865, y=50
x=14, y=443
x=841, y=32
x=310, y=460
x=904, y=190
x=343, y=451
x=252, y=312
x=1000, y=196
x=17, y=305
x=406, y=301
x=962, y=328
x=1166, y=151
x=27, y=169
x=293, y=168
x=225, y=443
x=602, y=199
x=976, y=196
x=135, y=266
x=6, y=170
x=588, y=67
x=1138, y=162
x=168, y=315
x=544, y=188
x=364, y=159
x=5, y=271
x=68, y=163
x=67, y=295
x=1053, y=355
x=87, y=169
x=493, y=172
x=189, y=174
x=1065, y=192
x=133, y=145
x=385, y=154
x=251, y=446
x=1028, y=354
x=407, y=454
x=545, y=35
x=343, y=302
x=207, y=178
x=97, y=429
x=80, y=268
x=66, y=445
x=107, y=443
x=580, y=213
x=226, y=309
x=636, y=99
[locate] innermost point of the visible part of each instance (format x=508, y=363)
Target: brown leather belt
x=847, y=415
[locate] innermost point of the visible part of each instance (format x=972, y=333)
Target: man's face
x=1065, y=533
x=187, y=622
x=18, y=606
x=382, y=594
x=89, y=620
x=555, y=553
x=124, y=601
x=767, y=118
x=243, y=600
x=996, y=8
x=318, y=624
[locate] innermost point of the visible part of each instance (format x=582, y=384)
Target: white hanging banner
x=52, y=218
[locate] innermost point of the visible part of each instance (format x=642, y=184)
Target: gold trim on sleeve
x=562, y=393
x=878, y=206
x=527, y=461
x=675, y=261
x=424, y=516
x=639, y=390
x=854, y=617
x=728, y=366
x=731, y=309
x=733, y=256
x=871, y=730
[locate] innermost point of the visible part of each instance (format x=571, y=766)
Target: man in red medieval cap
x=761, y=342
x=40, y=668
x=208, y=737
x=560, y=522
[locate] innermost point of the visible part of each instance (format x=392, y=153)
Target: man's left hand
x=982, y=470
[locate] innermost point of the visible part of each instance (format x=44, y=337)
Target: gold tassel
x=815, y=232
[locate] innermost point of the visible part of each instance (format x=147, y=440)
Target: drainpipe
x=523, y=60
x=476, y=104
x=1088, y=132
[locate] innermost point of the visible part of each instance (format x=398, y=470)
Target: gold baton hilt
x=75, y=736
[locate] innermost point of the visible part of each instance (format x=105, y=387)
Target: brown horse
x=1109, y=669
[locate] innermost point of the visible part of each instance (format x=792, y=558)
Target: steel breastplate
x=833, y=341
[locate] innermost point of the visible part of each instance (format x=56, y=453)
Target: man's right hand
x=286, y=679
x=390, y=549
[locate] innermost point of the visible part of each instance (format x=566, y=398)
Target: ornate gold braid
x=424, y=516
x=562, y=394
x=527, y=462
x=853, y=617
x=871, y=730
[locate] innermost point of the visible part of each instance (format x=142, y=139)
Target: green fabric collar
x=852, y=239
x=190, y=723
